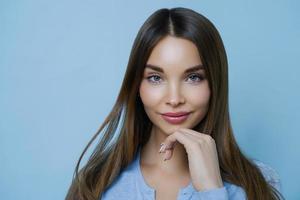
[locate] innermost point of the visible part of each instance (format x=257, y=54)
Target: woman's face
x=174, y=89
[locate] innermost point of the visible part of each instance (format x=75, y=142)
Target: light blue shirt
x=131, y=185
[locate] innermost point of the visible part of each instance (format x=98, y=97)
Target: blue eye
x=196, y=77
x=154, y=78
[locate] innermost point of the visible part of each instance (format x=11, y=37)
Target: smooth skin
x=186, y=155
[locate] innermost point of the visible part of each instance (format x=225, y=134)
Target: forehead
x=174, y=53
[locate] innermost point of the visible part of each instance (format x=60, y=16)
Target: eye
x=154, y=79
x=196, y=77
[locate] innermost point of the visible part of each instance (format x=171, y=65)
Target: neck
x=150, y=156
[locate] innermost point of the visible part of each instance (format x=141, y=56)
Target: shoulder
x=269, y=173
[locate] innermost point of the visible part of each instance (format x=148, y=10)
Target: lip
x=177, y=114
x=175, y=118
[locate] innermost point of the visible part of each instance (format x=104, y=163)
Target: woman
x=168, y=135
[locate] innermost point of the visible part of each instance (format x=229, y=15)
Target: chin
x=170, y=129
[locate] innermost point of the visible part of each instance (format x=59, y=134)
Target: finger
x=164, y=147
x=173, y=143
x=169, y=151
x=197, y=134
x=177, y=136
x=168, y=154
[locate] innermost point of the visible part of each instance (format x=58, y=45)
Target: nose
x=175, y=96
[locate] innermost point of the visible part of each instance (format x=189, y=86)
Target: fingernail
x=161, y=148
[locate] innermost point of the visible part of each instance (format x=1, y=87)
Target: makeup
x=175, y=118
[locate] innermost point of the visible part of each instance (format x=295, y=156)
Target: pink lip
x=175, y=118
x=178, y=114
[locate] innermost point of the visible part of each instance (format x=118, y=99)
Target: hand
x=202, y=157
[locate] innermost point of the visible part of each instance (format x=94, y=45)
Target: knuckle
x=200, y=142
x=209, y=138
x=177, y=133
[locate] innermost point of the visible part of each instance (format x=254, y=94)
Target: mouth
x=175, y=118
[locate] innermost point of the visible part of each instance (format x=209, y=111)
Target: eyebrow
x=189, y=70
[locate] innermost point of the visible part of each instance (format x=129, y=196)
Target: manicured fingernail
x=161, y=148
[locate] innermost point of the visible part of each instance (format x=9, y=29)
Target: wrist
x=209, y=186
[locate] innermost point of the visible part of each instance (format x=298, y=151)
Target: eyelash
x=199, y=76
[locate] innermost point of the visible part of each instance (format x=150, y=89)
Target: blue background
x=62, y=63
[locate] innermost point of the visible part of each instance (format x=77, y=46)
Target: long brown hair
x=127, y=126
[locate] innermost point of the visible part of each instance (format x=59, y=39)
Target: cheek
x=150, y=95
x=199, y=98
